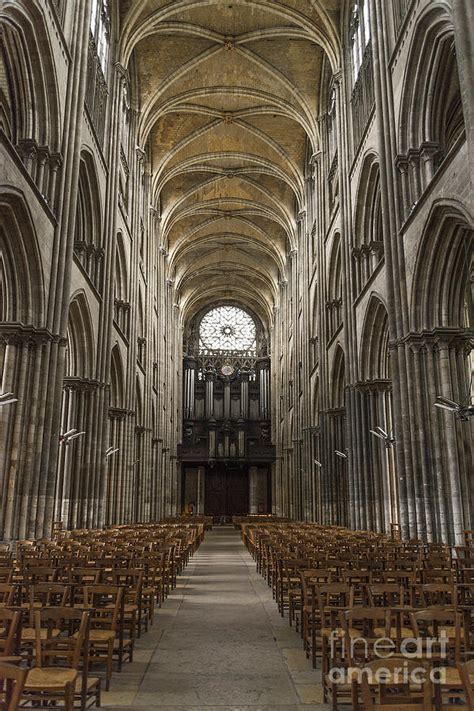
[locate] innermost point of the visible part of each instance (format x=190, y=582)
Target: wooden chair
x=466, y=672
x=10, y=624
x=106, y=605
x=135, y=617
x=57, y=658
x=438, y=595
x=12, y=682
x=428, y=626
x=289, y=582
x=386, y=691
x=42, y=595
x=7, y=594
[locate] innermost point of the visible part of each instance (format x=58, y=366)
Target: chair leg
x=69, y=697
x=110, y=652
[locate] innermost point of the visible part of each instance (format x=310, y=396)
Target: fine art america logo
x=425, y=650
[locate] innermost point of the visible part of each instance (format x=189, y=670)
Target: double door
x=227, y=491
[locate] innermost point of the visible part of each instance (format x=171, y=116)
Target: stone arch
x=334, y=288
x=374, y=355
x=117, y=379
x=431, y=116
x=80, y=355
x=138, y=404
x=315, y=409
x=368, y=243
x=338, y=380
x=441, y=350
x=21, y=271
x=29, y=101
x=443, y=269
x=88, y=235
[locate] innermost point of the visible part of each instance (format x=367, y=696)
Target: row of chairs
x=77, y=602
x=356, y=597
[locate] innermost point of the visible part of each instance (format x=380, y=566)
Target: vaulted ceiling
x=229, y=98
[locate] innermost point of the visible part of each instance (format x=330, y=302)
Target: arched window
x=360, y=34
x=100, y=30
x=228, y=328
x=97, y=63
x=363, y=97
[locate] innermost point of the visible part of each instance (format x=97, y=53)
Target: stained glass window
x=360, y=34
x=100, y=29
x=227, y=328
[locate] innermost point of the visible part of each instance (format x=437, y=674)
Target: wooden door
x=227, y=491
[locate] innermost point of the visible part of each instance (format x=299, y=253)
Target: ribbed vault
x=229, y=96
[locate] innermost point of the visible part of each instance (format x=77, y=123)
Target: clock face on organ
x=227, y=370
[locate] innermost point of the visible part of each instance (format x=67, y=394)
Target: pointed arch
x=431, y=109
x=117, y=379
x=139, y=404
x=367, y=251
x=88, y=235
x=374, y=354
x=443, y=269
x=338, y=379
x=21, y=271
x=29, y=98
x=121, y=285
x=80, y=354
x=334, y=289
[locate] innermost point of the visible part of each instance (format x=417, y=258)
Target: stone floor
x=218, y=643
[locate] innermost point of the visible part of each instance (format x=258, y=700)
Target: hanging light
x=388, y=439
x=68, y=436
x=462, y=412
x=7, y=399
x=110, y=451
x=343, y=455
x=318, y=464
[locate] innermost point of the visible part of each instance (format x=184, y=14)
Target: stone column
x=201, y=487
x=253, y=490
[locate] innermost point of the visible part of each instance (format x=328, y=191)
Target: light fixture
x=69, y=436
x=462, y=412
x=7, y=399
x=388, y=439
x=77, y=434
x=318, y=464
x=343, y=455
x=110, y=451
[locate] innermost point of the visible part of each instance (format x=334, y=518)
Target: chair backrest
x=7, y=594
x=105, y=602
x=67, y=648
x=40, y=574
x=6, y=574
x=12, y=682
x=332, y=596
x=432, y=623
x=438, y=594
x=385, y=595
x=49, y=595
x=10, y=622
x=466, y=672
x=390, y=678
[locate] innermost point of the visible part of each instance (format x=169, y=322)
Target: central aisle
x=218, y=642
